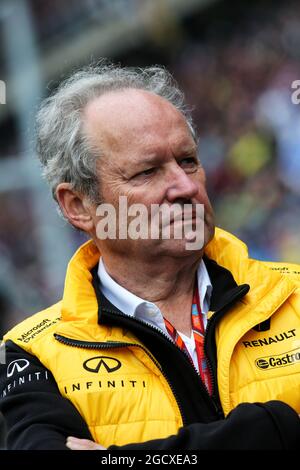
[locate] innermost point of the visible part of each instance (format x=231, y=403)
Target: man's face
x=150, y=157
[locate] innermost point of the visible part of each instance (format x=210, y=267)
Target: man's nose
x=181, y=185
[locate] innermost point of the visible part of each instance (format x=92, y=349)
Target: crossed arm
x=38, y=417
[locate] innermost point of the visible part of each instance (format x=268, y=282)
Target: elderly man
x=154, y=345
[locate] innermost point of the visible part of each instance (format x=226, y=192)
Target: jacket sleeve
x=250, y=426
x=37, y=416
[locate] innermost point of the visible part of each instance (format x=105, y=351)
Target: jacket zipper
x=213, y=400
x=186, y=356
x=211, y=370
x=210, y=324
x=116, y=344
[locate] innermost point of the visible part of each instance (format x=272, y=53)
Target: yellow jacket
x=121, y=385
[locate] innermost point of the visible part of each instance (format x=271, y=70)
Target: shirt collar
x=204, y=287
x=132, y=305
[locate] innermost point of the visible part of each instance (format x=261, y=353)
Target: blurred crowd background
x=235, y=61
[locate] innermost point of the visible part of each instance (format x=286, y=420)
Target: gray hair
x=63, y=149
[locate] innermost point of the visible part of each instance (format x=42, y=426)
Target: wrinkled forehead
x=122, y=118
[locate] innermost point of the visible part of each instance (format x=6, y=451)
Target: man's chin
x=177, y=248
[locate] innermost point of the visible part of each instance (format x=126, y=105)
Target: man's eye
x=147, y=172
x=189, y=162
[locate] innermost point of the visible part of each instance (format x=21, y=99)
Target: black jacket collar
x=225, y=290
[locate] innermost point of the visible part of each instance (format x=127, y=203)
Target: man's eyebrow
x=153, y=158
x=156, y=157
x=186, y=152
x=189, y=149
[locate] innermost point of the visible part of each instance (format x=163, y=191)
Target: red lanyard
x=198, y=332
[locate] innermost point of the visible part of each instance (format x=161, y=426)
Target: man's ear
x=75, y=207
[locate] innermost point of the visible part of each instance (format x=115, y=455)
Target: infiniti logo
x=17, y=366
x=95, y=363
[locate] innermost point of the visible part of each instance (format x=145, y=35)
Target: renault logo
x=95, y=363
x=17, y=366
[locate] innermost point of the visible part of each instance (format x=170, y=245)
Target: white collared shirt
x=148, y=312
